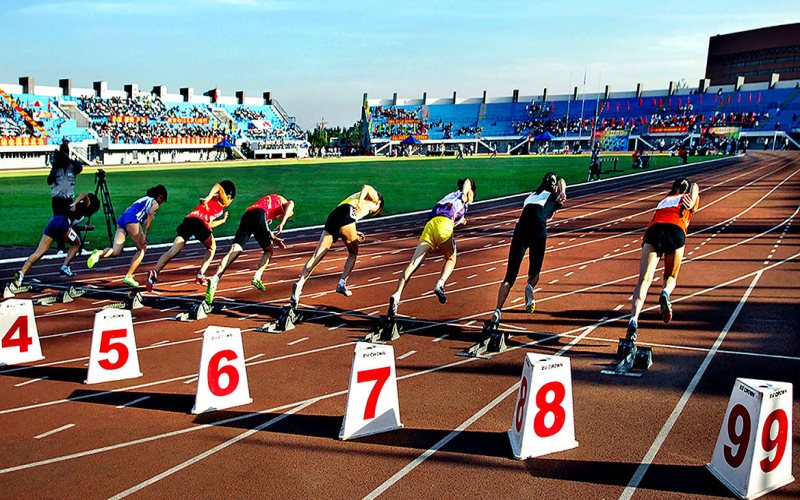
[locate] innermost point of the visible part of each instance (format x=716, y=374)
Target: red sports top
x=272, y=205
x=207, y=213
x=669, y=211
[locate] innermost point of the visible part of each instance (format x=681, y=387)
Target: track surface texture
x=740, y=278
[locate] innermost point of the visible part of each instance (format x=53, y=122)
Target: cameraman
x=62, y=179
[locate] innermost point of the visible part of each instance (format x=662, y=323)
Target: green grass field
x=316, y=187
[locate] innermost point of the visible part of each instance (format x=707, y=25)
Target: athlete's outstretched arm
x=220, y=221
x=217, y=191
x=288, y=213
x=368, y=193
x=150, y=216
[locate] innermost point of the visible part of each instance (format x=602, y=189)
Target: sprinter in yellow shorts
x=438, y=233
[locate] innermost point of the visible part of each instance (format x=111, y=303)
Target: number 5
x=106, y=346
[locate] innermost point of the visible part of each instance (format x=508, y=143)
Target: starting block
x=131, y=302
x=494, y=342
x=10, y=291
x=633, y=360
x=199, y=310
x=386, y=331
x=63, y=297
x=285, y=322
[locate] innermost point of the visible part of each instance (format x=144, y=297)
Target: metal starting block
x=285, y=322
x=199, y=310
x=70, y=294
x=131, y=302
x=10, y=290
x=386, y=330
x=633, y=360
x=494, y=342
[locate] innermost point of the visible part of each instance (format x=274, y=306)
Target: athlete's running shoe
x=258, y=284
x=393, y=303
x=66, y=271
x=130, y=281
x=295, y=298
x=530, y=301
x=93, y=259
x=439, y=291
x=633, y=330
x=17, y=280
x=152, y=279
x=212, y=289
x=200, y=280
x=666, y=307
x=340, y=288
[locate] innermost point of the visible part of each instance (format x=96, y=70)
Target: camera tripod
x=102, y=193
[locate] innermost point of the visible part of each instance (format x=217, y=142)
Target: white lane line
x=569, y=274
x=251, y=358
x=472, y=276
x=337, y=326
x=490, y=269
x=50, y=433
x=295, y=259
x=131, y=403
x=376, y=278
x=248, y=317
x=673, y=418
x=293, y=342
x=31, y=381
x=330, y=268
x=582, y=267
x=404, y=356
x=191, y=380
x=620, y=306
x=553, y=282
x=160, y=342
x=439, y=339
x=210, y=452
x=470, y=323
x=518, y=299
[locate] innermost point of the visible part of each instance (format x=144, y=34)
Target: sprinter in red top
x=665, y=237
x=255, y=223
x=207, y=215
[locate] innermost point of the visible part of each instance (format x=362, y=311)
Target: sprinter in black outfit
x=531, y=233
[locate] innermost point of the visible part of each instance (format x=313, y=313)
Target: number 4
x=23, y=341
x=380, y=376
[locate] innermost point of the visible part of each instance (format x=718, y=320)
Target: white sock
x=215, y=280
x=440, y=284
x=343, y=282
x=396, y=297
x=257, y=276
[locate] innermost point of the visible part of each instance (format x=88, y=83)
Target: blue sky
x=319, y=57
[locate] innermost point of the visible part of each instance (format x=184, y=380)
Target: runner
x=198, y=224
x=438, y=233
x=132, y=223
x=63, y=228
x=665, y=237
x=531, y=233
x=255, y=222
x=341, y=223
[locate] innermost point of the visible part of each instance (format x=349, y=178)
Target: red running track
x=741, y=270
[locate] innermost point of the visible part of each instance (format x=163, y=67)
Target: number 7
x=380, y=376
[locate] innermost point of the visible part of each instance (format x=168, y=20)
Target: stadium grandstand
x=129, y=126
x=761, y=115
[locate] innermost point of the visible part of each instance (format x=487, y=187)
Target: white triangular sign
x=753, y=454
x=19, y=337
x=372, y=402
x=113, y=353
x=543, y=416
x=222, y=381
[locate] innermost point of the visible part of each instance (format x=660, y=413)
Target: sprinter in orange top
x=665, y=237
